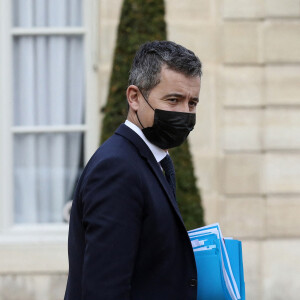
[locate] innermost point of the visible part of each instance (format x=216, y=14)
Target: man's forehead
x=174, y=78
x=167, y=72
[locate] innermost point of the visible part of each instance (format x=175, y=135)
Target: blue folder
x=234, y=250
x=219, y=264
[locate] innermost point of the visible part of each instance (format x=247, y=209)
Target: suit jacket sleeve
x=112, y=216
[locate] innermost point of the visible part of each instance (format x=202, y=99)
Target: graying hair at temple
x=151, y=56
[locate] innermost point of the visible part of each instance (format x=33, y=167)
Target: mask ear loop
x=146, y=100
x=147, y=103
x=139, y=119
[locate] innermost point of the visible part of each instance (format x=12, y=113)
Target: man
x=127, y=239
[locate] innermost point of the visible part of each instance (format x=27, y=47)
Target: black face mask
x=170, y=128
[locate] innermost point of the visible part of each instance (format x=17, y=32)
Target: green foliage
x=187, y=193
x=142, y=21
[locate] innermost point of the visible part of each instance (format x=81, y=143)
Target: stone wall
x=247, y=142
x=33, y=286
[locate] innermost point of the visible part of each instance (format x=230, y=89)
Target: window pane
x=48, y=91
x=48, y=80
x=46, y=169
x=47, y=13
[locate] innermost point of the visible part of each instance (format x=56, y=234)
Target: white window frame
x=23, y=240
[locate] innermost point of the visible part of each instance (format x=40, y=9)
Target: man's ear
x=132, y=94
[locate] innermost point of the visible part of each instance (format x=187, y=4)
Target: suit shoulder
x=116, y=153
x=116, y=147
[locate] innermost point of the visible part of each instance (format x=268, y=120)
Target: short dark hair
x=151, y=56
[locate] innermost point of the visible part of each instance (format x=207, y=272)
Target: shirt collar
x=158, y=153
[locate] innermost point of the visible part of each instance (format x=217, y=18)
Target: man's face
x=175, y=92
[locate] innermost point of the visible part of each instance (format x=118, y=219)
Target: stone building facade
x=246, y=145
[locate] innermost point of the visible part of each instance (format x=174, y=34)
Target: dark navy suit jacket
x=127, y=239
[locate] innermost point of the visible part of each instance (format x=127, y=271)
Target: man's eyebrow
x=174, y=95
x=180, y=96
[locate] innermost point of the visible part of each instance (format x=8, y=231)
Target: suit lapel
x=145, y=152
x=159, y=174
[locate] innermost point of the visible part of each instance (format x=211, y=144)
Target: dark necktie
x=168, y=167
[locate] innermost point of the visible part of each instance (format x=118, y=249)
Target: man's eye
x=173, y=100
x=193, y=104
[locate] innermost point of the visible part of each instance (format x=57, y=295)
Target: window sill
x=34, y=249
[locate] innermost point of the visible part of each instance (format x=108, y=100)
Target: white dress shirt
x=158, y=153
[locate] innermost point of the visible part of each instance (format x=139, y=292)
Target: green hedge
x=142, y=21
